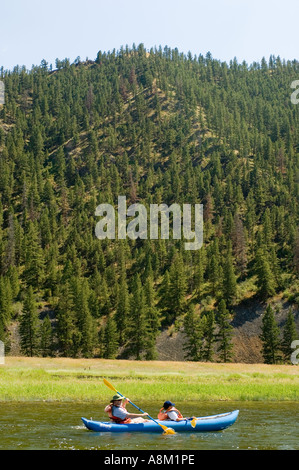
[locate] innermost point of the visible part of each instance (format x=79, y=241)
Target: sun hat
x=167, y=404
x=116, y=397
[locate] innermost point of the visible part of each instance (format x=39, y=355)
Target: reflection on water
x=59, y=426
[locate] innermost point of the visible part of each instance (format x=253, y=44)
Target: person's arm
x=175, y=417
x=135, y=415
x=132, y=415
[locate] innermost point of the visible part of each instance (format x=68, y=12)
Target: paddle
x=165, y=428
x=193, y=422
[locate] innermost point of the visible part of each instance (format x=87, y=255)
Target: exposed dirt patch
x=247, y=323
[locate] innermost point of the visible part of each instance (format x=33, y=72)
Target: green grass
x=37, y=379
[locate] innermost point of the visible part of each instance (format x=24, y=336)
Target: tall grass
x=39, y=379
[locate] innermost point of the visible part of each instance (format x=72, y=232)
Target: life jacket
x=108, y=410
x=162, y=416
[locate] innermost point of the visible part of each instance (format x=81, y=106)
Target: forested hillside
x=156, y=127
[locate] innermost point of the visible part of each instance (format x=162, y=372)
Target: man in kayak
x=169, y=412
x=118, y=413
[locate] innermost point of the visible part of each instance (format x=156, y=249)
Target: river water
x=46, y=426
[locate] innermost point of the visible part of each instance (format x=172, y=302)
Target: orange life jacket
x=108, y=410
x=163, y=413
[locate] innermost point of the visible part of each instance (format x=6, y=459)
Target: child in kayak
x=169, y=412
x=118, y=413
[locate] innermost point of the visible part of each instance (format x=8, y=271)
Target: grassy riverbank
x=61, y=379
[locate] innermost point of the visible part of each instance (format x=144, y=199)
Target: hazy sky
x=32, y=30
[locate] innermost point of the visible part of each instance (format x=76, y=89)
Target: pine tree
x=270, y=337
x=267, y=229
x=275, y=268
x=1, y=239
x=137, y=328
x=84, y=321
x=122, y=309
x=214, y=274
x=46, y=337
x=5, y=299
x=34, y=260
x=5, y=309
x=208, y=325
x=105, y=304
x=239, y=245
x=289, y=335
x=214, y=262
x=66, y=327
x=152, y=319
x=265, y=277
x=193, y=332
x=200, y=272
x=296, y=252
x=178, y=285
x=9, y=254
x=101, y=341
x=29, y=325
x=225, y=332
x=110, y=339
x=165, y=300
x=14, y=280
x=229, y=278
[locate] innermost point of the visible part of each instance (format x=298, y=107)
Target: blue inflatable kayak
x=203, y=424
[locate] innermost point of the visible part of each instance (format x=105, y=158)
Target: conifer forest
x=157, y=126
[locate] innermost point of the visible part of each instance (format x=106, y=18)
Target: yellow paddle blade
x=193, y=422
x=109, y=385
x=167, y=430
